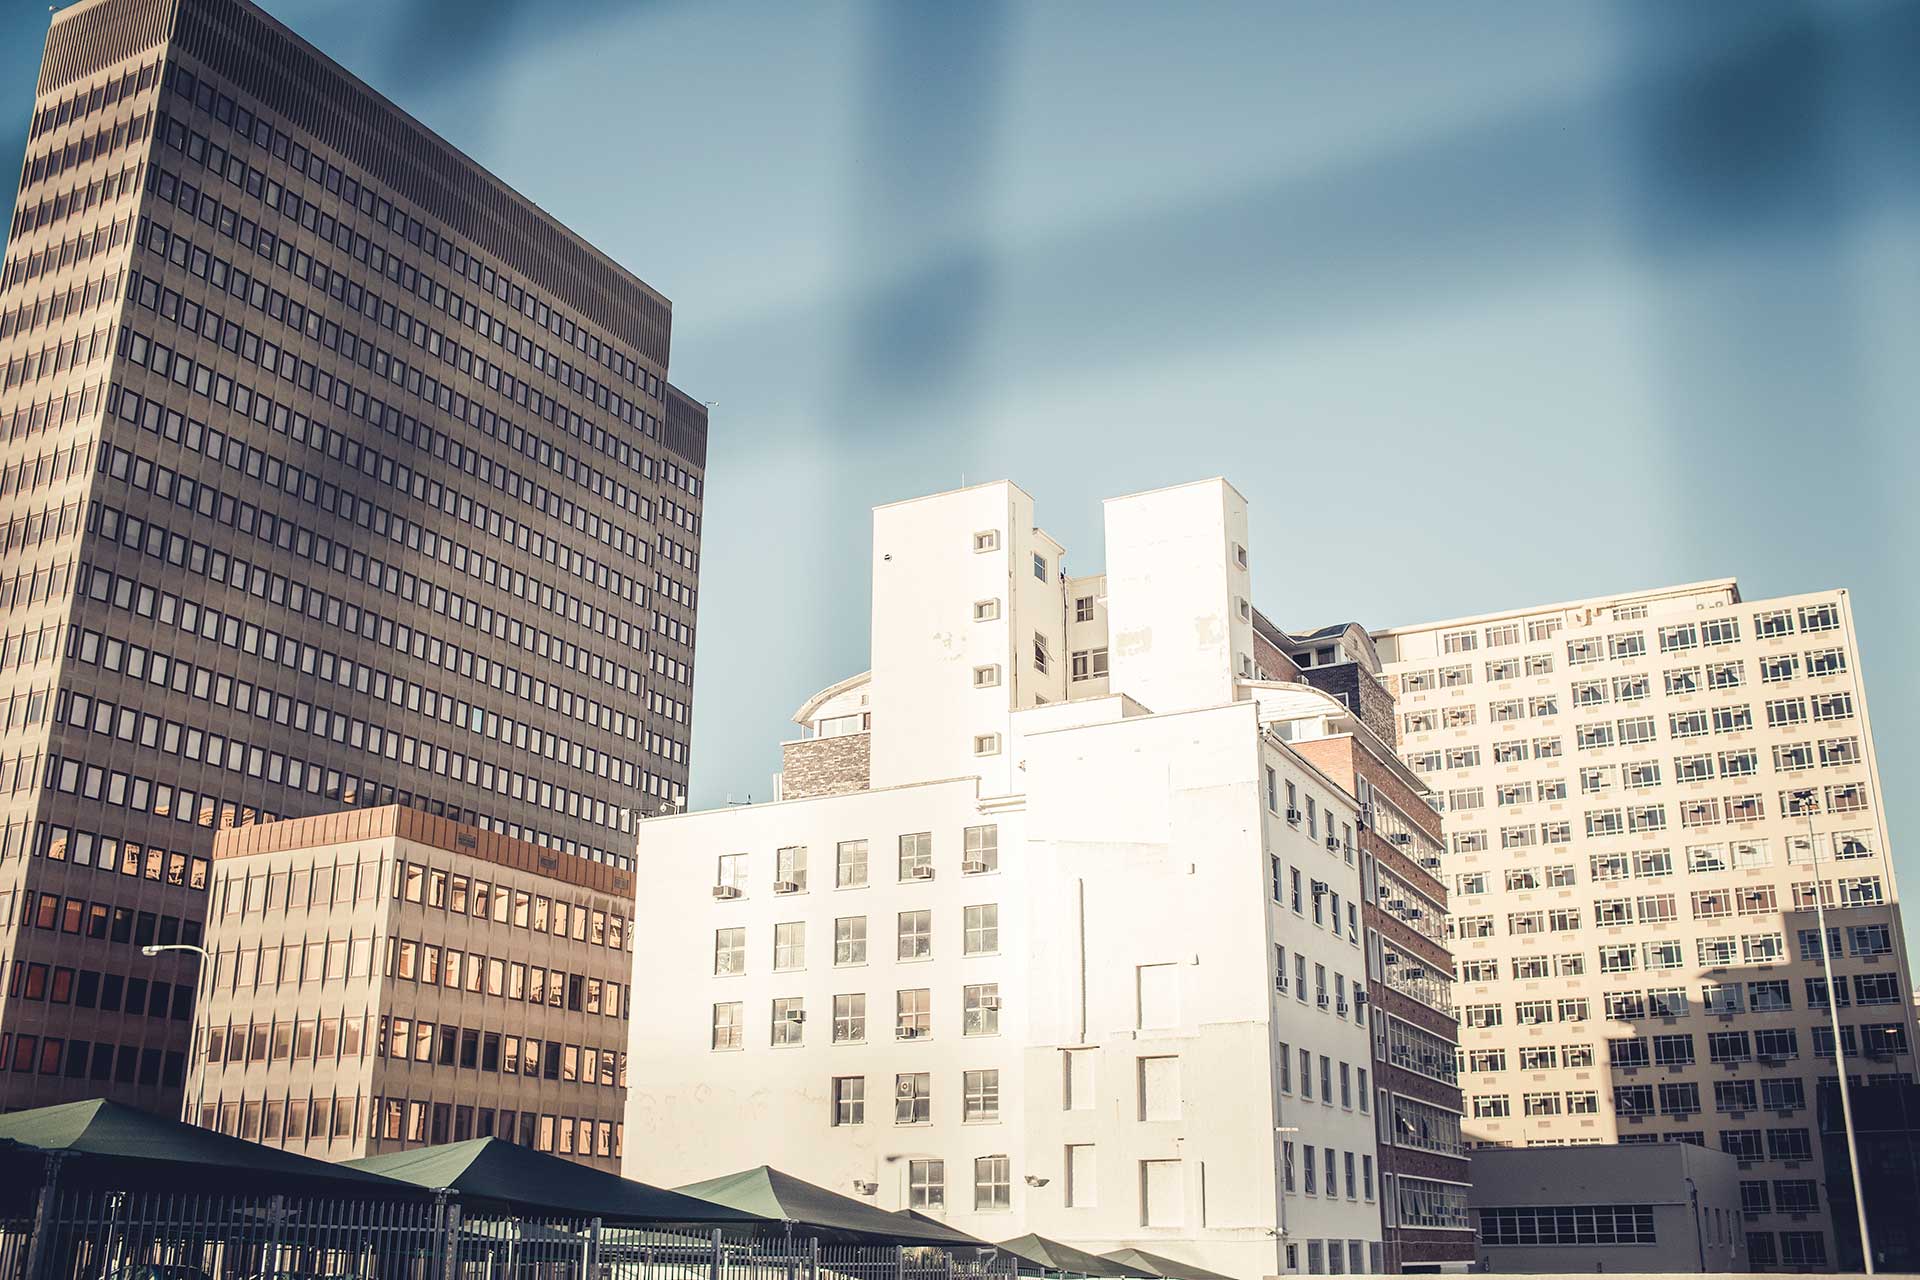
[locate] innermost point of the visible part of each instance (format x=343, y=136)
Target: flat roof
x=400, y=822
x=1624, y=597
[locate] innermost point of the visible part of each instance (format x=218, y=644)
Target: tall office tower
x=1404, y=915
x=335, y=474
x=1642, y=792
x=1056, y=926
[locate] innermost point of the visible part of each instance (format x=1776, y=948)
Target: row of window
x=1699, y=859
x=86, y=849
x=1633, y=687
x=1325, y=999
x=1353, y=1080
x=1631, y=731
x=979, y=854
x=1801, y=1250
x=1792, y=757
x=307, y=1119
x=84, y=149
x=1322, y=1176
x=912, y=1017
x=913, y=934
x=91, y=989
x=83, y=102
x=99, y=921
x=433, y=965
x=95, y=1060
x=1542, y=1225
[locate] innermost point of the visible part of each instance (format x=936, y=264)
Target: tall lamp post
x=1806, y=797
x=200, y=981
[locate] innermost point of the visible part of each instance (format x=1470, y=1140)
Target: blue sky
x=1480, y=304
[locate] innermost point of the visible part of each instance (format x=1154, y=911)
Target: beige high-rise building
x=1640, y=793
x=384, y=978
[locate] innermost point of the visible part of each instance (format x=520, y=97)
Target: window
x=727, y=1024
x=982, y=850
x=790, y=945
x=1089, y=664
x=1537, y=1225
x=986, y=610
x=732, y=873
x=850, y=940
x=1039, y=566
x=926, y=1182
x=913, y=1101
x=912, y=1013
x=850, y=864
x=790, y=869
x=986, y=744
x=916, y=856
x=980, y=1094
x=986, y=677
x=849, y=1100
x=915, y=935
x=729, y=951
x=981, y=929
x=1077, y=1079
x=1042, y=658
x=981, y=1009
x=1083, y=609
x=850, y=1018
x=789, y=1021
x=986, y=540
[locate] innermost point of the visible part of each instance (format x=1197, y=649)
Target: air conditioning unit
x=1319, y=887
x=796, y=1015
x=1413, y=973
x=725, y=891
x=1341, y=1009
x=1323, y=999
x=906, y=1033
x=786, y=886
x=922, y=873
x=1333, y=844
x=972, y=867
x=1293, y=816
x=989, y=1002
x=1401, y=837
x=1359, y=998
x=1281, y=985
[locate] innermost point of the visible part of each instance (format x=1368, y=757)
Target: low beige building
x=384, y=978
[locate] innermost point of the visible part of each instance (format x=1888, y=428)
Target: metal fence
x=144, y=1235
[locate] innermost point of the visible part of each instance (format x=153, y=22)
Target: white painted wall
x=1174, y=589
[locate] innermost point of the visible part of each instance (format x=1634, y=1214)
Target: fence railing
x=90, y=1234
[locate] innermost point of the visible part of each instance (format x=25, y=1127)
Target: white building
x=1642, y=792
x=1049, y=931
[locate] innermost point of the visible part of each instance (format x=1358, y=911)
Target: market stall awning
x=1141, y=1263
x=533, y=1182
x=117, y=1141
x=772, y=1194
x=1050, y=1255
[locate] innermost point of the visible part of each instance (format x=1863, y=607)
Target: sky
x=1481, y=305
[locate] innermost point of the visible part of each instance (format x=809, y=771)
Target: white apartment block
x=1641, y=793
x=1031, y=940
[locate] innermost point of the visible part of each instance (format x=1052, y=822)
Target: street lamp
x=200, y=979
x=1805, y=797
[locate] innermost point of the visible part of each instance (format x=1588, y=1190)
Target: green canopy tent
x=1139, y=1262
x=532, y=1182
x=1039, y=1254
x=831, y=1216
x=105, y=1143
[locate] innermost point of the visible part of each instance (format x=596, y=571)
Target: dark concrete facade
x=337, y=475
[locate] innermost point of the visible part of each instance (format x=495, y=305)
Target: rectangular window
x=1160, y=1088
x=849, y=1100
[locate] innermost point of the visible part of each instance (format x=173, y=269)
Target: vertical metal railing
x=90, y=1233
